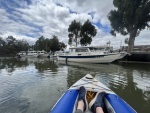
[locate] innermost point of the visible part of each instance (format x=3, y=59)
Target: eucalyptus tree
x=81, y=33
x=87, y=32
x=130, y=17
x=74, y=32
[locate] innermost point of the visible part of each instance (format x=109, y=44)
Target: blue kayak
x=68, y=101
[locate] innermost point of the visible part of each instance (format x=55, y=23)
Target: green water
x=34, y=85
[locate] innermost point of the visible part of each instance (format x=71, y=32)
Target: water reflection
x=10, y=64
x=130, y=81
x=33, y=89
x=36, y=84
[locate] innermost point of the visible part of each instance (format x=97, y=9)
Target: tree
x=22, y=45
x=47, y=44
x=74, y=31
x=11, y=40
x=54, y=46
x=40, y=43
x=62, y=46
x=2, y=46
x=11, y=46
x=130, y=17
x=87, y=32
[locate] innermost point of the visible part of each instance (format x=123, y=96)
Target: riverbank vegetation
x=11, y=46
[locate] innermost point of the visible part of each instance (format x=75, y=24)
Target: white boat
x=122, y=55
x=43, y=54
x=107, y=49
x=68, y=101
x=21, y=54
x=57, y=53
x=33, y=54
x=89, y=55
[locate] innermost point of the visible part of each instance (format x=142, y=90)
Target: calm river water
x=34, y=85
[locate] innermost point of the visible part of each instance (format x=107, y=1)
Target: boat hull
x=91, y=58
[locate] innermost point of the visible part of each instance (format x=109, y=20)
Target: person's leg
x=99, y=110
x=97, y=104
x=82, y=102
x=80, y=105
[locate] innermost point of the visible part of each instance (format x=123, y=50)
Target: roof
x=89, y=47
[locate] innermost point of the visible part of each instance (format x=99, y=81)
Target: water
x=34, y=85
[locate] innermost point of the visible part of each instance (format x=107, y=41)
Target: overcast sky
x=29, y=19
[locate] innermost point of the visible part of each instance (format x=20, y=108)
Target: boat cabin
x=78, y=49
x=88, y=49
x=41, y=52
x=22, y=53
x=32, y=52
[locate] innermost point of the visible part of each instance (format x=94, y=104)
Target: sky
x=30, y=19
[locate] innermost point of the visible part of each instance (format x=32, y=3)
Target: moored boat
x=21, y=54
x=57, y=53
x=89, y=55
x=67, y=103
x=33, y=54
x=43, y=54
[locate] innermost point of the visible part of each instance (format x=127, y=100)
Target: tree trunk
x=132, y=39
x=76, y=40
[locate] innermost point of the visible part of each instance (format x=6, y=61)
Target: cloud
x=29, y=19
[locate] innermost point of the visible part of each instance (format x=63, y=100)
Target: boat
x=21, y=54
x=68, y=101
x=89, y=55
x=34, y=54
x=43, y=54
x=57, y=53
x=108, y=49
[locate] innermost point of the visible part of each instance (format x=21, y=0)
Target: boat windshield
x=96, y=49
x=99, y=49
x=92, y=49
x=81, y=50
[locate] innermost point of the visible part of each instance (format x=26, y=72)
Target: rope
x=87, y=82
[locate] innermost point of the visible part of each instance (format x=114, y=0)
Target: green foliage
x=40, y=43
x=130, y=17
x=62, y=46
x=81, y=33
x=46, y=44
x=74, y=31
x=11, y=46
x=87, y=32
x=130, y=14
x=54, y=44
